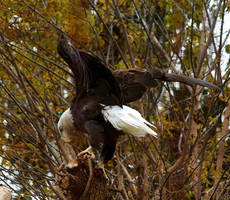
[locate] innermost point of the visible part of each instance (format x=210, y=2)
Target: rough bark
x=82, y=182
x=217, y=189
x=221, y=149
x=194, y=113
x=195, y=158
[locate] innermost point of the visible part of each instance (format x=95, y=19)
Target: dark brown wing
x=72, y=57
x=100, y=75
x=127, y=85
x=188, y=80
x=134, y=82
x=90, y=73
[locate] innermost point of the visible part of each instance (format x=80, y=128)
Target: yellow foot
x=88, y=153
x=102, y=167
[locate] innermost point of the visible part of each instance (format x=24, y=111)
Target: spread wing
x=127, y=85
x=90, y=74
x=135, y=82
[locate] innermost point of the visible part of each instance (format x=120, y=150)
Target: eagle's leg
x=95, y=138
x=95, y=135
x=101, y=166
x=107, y=150
x=88, y=151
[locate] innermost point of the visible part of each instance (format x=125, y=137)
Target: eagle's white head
x=66, y=126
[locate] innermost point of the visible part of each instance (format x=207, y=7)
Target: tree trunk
x=82, y=182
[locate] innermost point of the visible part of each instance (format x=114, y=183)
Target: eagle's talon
x=101, y=166
x=87, y=153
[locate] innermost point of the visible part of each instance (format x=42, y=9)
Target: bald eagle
x=98, y=108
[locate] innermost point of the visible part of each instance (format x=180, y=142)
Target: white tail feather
x=127, y=120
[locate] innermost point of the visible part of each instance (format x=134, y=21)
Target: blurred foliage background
x=190, y=158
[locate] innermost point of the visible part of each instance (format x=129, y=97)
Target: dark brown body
x=88, y=118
